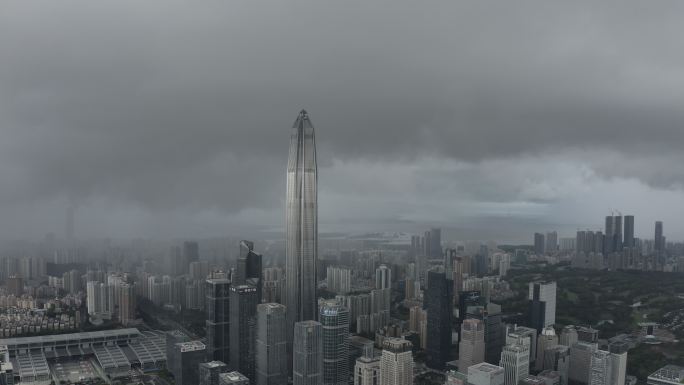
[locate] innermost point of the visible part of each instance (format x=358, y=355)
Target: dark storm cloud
x=169, y=105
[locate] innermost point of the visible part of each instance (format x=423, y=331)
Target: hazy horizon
x=171, y=119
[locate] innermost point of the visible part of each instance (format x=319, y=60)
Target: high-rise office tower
x=539, y=243
x=174, y=337
x=243, y=303
x=485, y=374
x=542, y=296
x=551, y=242
x=334, y=319
x=190, y=253
x=435, y=243
x=617, y=235
x=580, y=362
x=307, y=353
x=600, y=371
x=249, y=268
x=547, y=339
x=271, y=345
x=557, y=359
x=396, y=362
x=217, y=307
x=188, y=356
x=367, y=371
x=609, y=232
x=515, y=359
x=439, y=306
x=521, y=335
x=301, y=250
x=629, y=231
x=658, y=241
x=495, y=337
x=471, y=349
x=126, y=306
x=209, y=372
x=383, y=277
x=618, y=358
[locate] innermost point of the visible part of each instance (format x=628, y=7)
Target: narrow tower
x=301, y=225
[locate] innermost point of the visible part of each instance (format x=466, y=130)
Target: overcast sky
x=492, y=118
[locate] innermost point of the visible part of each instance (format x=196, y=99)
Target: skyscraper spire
x=301, y=224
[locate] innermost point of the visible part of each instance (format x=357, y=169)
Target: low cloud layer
x=167, y=118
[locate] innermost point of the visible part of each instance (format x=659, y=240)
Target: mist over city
x=330, y=193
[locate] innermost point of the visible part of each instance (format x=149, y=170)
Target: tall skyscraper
x=617, y=235
x=271, y=345
x=218, y=323
x=521, y=335
x=383, y=277
x=396, y=362
x=307, y=353
x=539, y=243
x=301, y=250
x=658, y=242
x=515, y=359
x=557, y=359
x=471, y=349
x=190, y=252
x=249, y=268
x=439, y=307
x=126, y=306
x=243, y=303
x=335, y=321
x=542, y=296
x=551, y=242
x=546, y=340
x=618, y=358
x=600, y=372
x=435, y=243
x=629, y=231
x=580, y=362
x=188, y=355
x=609, y=231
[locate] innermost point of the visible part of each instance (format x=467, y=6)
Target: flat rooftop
x=57, y=338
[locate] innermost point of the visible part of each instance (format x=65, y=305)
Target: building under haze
x=271, y=345
x=301, y=250
x=539, y=243
x=218, y=322
x=334, y=319
x=471, y=349
x=249, y=268
x=307, y=353
x=542, y=297
x=243, y=304
x=439, y=306
x=396, y=362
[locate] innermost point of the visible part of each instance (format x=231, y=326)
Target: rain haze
x=489, y=119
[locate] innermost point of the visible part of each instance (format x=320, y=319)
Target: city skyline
x=493, y=199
